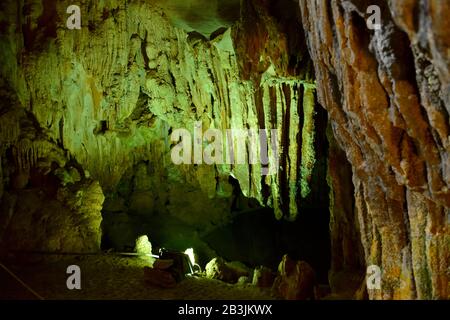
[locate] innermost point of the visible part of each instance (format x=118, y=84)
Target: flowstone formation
x=387, y=95
x=108, y=96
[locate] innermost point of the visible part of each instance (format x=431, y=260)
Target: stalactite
x=294, y=124
x=308, y=153
x=27, y=153
x=280, y=100
x=174, y=80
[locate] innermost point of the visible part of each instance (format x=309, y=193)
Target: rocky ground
x=109, y=277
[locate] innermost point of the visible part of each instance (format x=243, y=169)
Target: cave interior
x=110, y=112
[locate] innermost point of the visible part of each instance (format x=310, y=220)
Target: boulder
x=229, y=272
x=160, y=278
x=242, y=281
x=143, y=245
x=163, y=264
x=263, y=277
x=295, y=281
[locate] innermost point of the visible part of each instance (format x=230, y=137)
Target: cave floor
x=109, y=277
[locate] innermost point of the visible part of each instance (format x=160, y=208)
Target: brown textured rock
x=296, y=280
x=98, y=104
x=162, y=264
x=263, y=277
x=229, y=272
x=387, y=95
x=159, y=278
x=347, y=255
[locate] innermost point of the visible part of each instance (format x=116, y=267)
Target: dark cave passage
x=251, y=235
x=257, y=238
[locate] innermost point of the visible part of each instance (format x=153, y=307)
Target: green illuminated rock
x=117, y=88
x=143, y=245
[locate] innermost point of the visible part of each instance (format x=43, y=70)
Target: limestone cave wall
x=387, y=95
x=106, y=98
x=86, y=118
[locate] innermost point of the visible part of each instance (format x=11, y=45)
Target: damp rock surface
x=387, y=95
x=361, y=119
